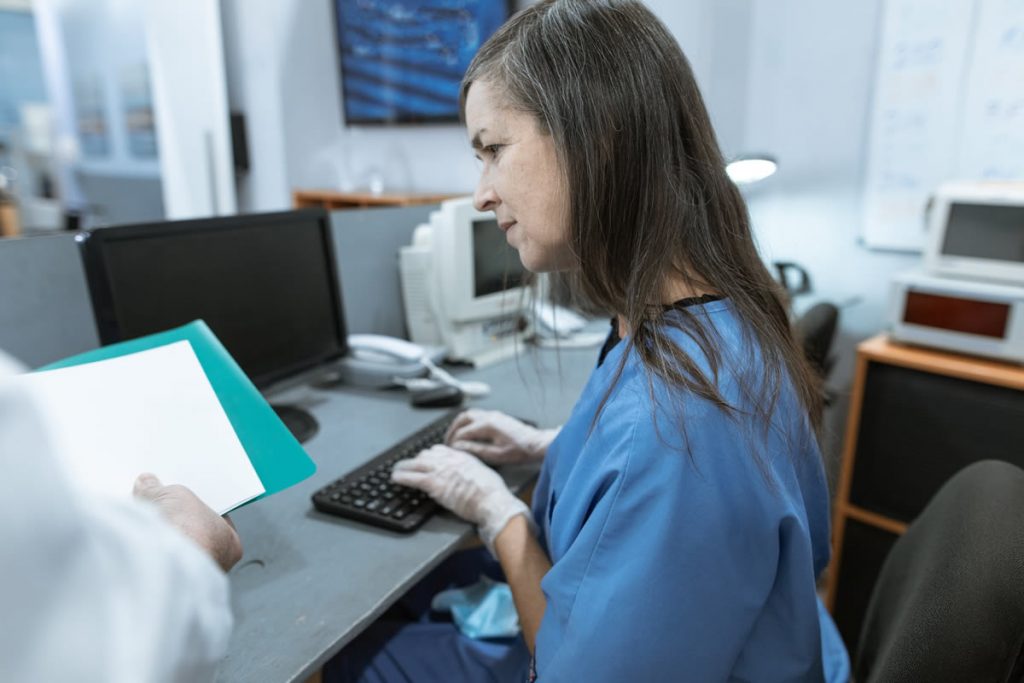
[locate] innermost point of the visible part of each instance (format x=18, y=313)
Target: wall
x=281, y=65
x=812, y=67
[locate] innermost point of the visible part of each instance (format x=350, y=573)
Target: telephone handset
x=385, y=350
x=376, y=360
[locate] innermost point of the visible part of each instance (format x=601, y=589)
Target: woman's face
x=521, y=181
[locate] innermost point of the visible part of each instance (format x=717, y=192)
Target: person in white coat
x=101, y=590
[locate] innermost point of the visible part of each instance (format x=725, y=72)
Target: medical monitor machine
x=977, y=232
x=464, y=287
x=969, y=295
x=266, y=284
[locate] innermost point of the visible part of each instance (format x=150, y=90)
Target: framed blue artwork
x=401, y=61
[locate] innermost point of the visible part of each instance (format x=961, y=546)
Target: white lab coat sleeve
x=91, y=589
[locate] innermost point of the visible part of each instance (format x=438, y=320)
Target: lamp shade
x=751, y=168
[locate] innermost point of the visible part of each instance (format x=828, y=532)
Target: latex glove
x=497, y=438
x=194, y=518
x=464, y=485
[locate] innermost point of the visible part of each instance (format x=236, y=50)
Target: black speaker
x=917, y=429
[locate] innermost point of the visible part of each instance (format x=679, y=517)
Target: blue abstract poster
x=402, y=60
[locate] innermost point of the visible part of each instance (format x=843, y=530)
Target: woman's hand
x=464, y=485
x=194, y=518
x=497, y=438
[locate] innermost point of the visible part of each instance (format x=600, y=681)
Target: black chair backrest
x=816, y=328
x=949, y=601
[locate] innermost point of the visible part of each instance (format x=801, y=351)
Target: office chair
x=949, y=601
x=816, y=329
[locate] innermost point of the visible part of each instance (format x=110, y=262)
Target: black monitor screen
x=265, y=284
x=496, y=265
x=985, y=231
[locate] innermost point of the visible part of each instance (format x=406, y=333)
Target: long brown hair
x=649, y=198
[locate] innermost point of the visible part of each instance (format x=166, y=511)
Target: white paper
x=152, y=411
x=992, y=147
x=915, y=117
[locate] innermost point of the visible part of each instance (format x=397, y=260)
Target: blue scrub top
x=670, y=566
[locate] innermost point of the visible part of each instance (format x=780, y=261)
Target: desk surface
x=308, y=582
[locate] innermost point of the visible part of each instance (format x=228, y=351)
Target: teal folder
x=275, y=454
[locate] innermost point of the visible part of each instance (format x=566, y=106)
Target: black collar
x=613, y=334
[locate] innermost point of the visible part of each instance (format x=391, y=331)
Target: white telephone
x=385, y=350
x=555, y=321
x=561, y=328
x=377, y=360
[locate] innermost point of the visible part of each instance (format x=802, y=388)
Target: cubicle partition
x=46, y=315
x=367, y=243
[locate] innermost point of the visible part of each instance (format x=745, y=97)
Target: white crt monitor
x=464, y=286
x=480, y=275
x=977, y=232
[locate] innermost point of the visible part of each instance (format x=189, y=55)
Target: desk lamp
x=751, y=168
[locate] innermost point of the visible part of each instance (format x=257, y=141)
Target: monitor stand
x=299, y=422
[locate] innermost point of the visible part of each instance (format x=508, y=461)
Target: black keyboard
x=367, y=494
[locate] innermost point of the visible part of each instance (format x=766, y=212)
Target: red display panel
x=959, y=315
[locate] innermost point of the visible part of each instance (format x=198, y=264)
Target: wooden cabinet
x=10, y=223
x=916, y=418
x=332, y=200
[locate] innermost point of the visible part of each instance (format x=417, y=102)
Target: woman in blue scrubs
x=681, y=517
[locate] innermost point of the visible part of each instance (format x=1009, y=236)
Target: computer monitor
x=481, y=275
x=464, y=286
x=266, y=284
x=977, y=231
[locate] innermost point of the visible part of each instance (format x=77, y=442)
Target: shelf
x=883, y=349
x=333, y=200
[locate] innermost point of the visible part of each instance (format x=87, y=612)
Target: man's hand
x=183, y=509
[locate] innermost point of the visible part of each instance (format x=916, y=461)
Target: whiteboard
x=949, y=104
x=993, y=144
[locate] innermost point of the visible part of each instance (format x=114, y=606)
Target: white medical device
x=977, y=232
x=975, y=317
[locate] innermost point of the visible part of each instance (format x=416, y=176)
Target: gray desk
x=309, y=583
